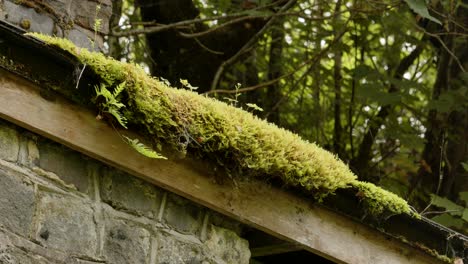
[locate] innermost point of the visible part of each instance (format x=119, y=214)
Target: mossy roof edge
x=227, y=134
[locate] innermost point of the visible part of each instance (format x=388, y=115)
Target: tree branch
x=312, y=60
x=248, y=45
x=153, y=27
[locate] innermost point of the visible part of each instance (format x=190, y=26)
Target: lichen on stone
x=235, y=139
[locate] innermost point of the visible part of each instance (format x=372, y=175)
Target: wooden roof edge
x=296, y=219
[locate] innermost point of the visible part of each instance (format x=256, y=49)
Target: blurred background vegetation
x=383, y=84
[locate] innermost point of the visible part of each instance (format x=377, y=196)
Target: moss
x=233, y=138
x=25, y=24
x=434, y=253
x=379, y=201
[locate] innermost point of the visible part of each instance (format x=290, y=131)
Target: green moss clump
x=378, y=201
x=232, y=137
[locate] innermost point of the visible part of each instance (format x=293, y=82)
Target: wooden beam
x=252, y=202
x=274, y=249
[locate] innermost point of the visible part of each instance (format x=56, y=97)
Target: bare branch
x=312, y=60
x=247, y=45
x=154, y=27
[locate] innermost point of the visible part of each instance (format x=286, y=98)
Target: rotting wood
x=252, y=202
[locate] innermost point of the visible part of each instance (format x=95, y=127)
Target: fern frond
x=143, y=149
x=119, y=89
x=111, y=105
x=118, y=116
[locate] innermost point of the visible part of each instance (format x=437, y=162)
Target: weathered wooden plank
x=252, y=202
x=274, y=249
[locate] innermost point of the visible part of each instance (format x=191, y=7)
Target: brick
x=183, y=215
x=84, y=14
x=69, y=166
x=126, y=242
x=39, y=22
x=226, y=246
x=16, y=202
x=66, y=223
x=127, y=193
x=9, y=143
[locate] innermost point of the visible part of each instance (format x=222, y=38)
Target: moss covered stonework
x=233, y=138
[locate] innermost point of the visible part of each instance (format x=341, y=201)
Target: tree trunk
x=195, y=59
x=273, y=92
x=337, y=77
x=446, y=147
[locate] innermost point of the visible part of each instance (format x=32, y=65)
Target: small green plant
x=187, y=85
x=254, y=107
x=110, y=105
x=236, y=96
x=96, y=26
x=143, y=149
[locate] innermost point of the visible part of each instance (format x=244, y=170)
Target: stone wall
x=72, y=19
x=59, y=206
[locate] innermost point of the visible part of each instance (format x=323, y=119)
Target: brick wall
x=72, y=19
x=58, y=206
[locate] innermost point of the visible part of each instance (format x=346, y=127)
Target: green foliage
x=465, y=166
x=96, y=26
x=109, y=103
x=187, y=85
x=254, y=107
x=143, y=149
x=420, y=7
x=455, y=216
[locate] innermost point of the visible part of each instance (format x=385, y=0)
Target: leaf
x=465, y=166
x=111, y=105
x=186, y=84
x=119, y=117
x=119, y=89
x=464, y=197
x=447, y=204
x=255, y=107
x=143, y=149
x=420, y=7
x=448, y=220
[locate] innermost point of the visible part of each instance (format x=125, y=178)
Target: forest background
x=382, y=84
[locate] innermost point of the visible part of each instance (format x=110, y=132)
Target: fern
x=119, y=89
x=143, y=149
x=111, y=104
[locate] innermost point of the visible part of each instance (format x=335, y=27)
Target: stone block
x=16, y=202
x=9, y=143
x=14, y=255
x=66, y=223
x=220, y=220
x=126, y=242
x=172, y=251
x=83, y=38
x=24, y=16
x=127, y=193
x=226, y=246
x=84, y=14
x=69, y=166
x=183, y=215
